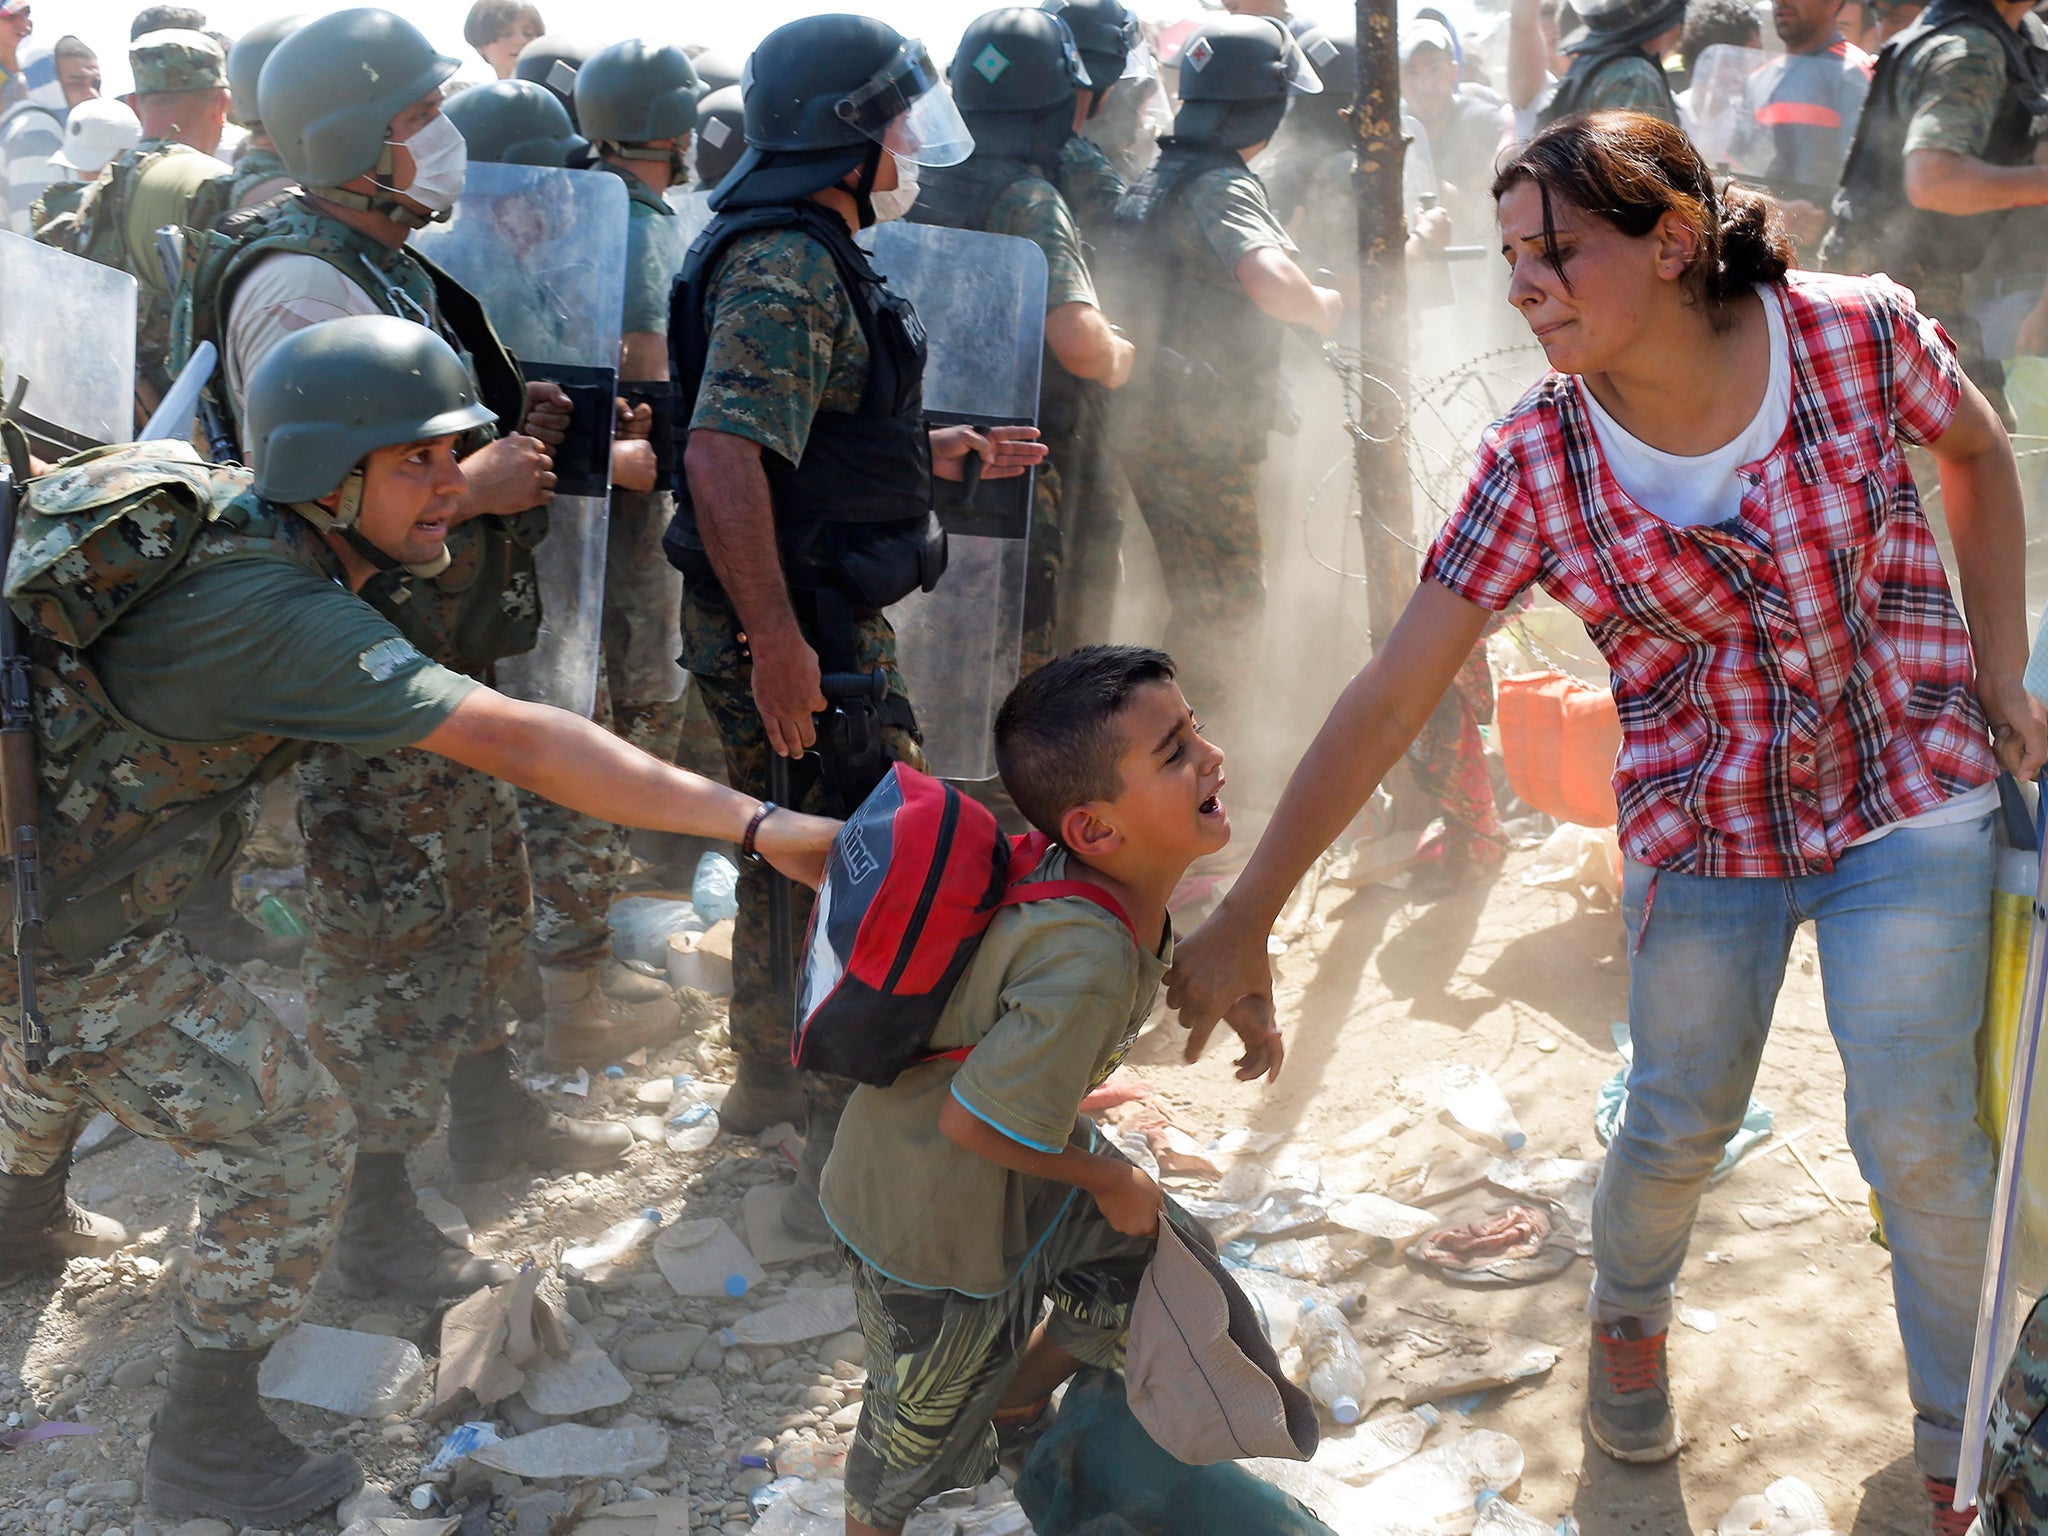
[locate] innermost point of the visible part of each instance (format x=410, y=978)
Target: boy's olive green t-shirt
x=1050, y=1005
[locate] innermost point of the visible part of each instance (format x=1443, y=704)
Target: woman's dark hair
x=1631, y=169
x=489, y=20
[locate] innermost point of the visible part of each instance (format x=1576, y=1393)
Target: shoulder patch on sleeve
x=383, y=659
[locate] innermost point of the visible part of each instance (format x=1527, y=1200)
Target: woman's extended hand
x=1215, y=968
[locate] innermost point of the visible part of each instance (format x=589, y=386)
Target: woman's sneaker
x=1628, y=1394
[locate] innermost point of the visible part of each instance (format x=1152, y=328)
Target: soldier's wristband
x=747, y=849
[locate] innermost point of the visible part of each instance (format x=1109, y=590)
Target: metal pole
x=1386, y=506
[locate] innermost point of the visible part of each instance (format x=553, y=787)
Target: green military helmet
x=173, y=59
x=635, y=92
x=553, y=60
x=823, y=94
x=325, y=398
x=1236, y=74
x=717, y=68
x=515, y=122
x=246, y=60
x=1107, y=34
x=721, y=135
x=328, y=93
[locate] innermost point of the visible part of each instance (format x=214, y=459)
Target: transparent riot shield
x=982, y=301
x=67, y=347
x=1781, y=122
x=693, y=214
x=544, y=250
x=1720, y=114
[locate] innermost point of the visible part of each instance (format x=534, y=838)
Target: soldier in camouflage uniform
x=1618, y=60
x=416, y=879
x=1953, y=103
x=575, y=862
x=1212, y=285
x=1108, y=38
x=353, y=428
x=259, y=174
x=804, y=506
x=171, y=177
x=2012, y=1493
x=1017, y=77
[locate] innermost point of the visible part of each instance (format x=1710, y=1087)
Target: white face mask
x=440, y=161
x=895, y=203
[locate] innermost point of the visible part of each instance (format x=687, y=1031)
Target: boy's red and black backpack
x=914, y=879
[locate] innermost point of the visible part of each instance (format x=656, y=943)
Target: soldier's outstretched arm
x=575, y=763
x=1281, y=289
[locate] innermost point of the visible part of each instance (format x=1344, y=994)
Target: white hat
x=94, y=133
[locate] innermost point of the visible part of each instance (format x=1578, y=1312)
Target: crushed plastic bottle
x=692, y=1124
x=1377, y=1445
x=1475, y=1101
x=792, y=1506
x=1787, y=1508
x=715, y=892
x=799, y=1316
x=1319, y=1260
x=357, y=1375
x=641, y=927
x=1278, y=1301
x=1441, y=1486
x=595, y=1260
x=1336, y=1370
x=1497, y=1517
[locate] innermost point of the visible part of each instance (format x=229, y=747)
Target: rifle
x=18, y=807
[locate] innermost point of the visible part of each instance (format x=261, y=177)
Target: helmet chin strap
x=675, y=155
x=864, y=189
x=406, y=215
x=342, y=520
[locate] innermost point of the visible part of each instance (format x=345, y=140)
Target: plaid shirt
x=1787, y=681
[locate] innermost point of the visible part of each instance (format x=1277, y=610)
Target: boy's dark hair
x=489, y=20
x=160, y=18
x=1708, y=22
x=1057, y=744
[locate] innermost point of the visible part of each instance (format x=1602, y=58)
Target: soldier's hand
x=1433, y=228
x=633, y=464
x=1126, y=355
x=508, y=476
x=634, y=421
x=547, y=412
x=797, y=844
x=1332, y=303
x=787, y=692
x=1006, y=452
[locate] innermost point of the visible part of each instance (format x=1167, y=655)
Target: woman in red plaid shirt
x=1712, y=477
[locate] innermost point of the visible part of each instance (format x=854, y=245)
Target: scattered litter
x=1318, y=1259
x=770, y=1240
x=462, y=1439
x=1610, y=1108
x=1438, y=1489
x=656, y=1093
x=357, y=1375
x=1698, y=1319
x=715, y=892
x=1545, y=1043
x=1332, y=1368
x=1372, y=1215
x=1178, y=1152
x=801, y=1315
x=1497, y=1517
x=702, y=962
x=394, y=1525
x=809, y=1458
x=706, y=1258
x=577, y=1083
x=692, y=1124
x=1564, y=1184
x=1135, y=1147
x=1375, y=1445
x=490, y=1340
x=1583, y=860
x=49, y=1429
x=1783, y=1213
x=584, y=1379
x=595, y=1260
x=790, y=1506
x=445, y=1214
x=660, y=1516
x=643, y=925
x=631, y=1446
x=1430, y=1365
x=1787, y=1508
x=1473, y=1099
x=1513, y=1246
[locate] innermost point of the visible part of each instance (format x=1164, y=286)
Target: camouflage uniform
x=785, y=345
x=259, y=176
x=2012, y=1494
x=171, y=1045
x=1628, y=81
x=417, y=886
x=158, y=182
x=1194, y=467
x=1090, y=186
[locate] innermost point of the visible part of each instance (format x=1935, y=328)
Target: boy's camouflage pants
x=179, y=1050
x=416, y=883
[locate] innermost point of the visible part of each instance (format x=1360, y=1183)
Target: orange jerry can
x=1558, y=738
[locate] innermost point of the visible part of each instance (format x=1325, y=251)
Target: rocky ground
x=1789, y=1363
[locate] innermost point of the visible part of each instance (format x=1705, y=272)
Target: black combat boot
x=495, y=1124
x=389, y=1248
x=802, y=1215
x=215, y=1452
x=40, y=1228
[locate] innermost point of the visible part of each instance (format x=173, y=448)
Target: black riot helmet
x=1333, y=50
x=1015, y=76
x=515, y=122
x=1108, y=36
x=824, y=96
x=552, y=60
x=721, y=135
x=1236, y=74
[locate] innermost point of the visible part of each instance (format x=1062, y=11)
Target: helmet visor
x=906, y=108
x=1300, y=74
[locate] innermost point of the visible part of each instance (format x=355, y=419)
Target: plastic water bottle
x=1336, y=1370
x=1279, y=1302
x=692, y=1124
x=1441, y=1486
x=1497, y=1517
x=1381, y=1443
x=594, y=1260
x=1476, y=1102
x=715, y=892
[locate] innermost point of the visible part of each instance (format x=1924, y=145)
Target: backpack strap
x=1053, y=890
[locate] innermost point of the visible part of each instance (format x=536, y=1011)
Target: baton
x=173, y=418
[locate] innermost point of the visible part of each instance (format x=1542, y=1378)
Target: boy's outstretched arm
x=1129, y=1199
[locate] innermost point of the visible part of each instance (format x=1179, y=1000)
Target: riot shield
x=67, y=347
x=982, y=301
x=1719, y=113
x=544, y=250
x=693, y=213
x=1781, y=122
